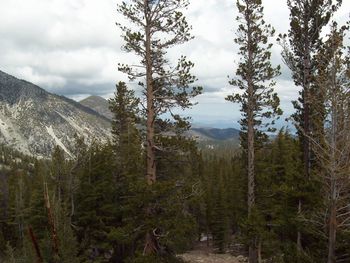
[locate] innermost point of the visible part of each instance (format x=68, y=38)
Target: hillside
x=34, y=121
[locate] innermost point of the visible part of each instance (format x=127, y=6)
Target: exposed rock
x=98, y=104
x=34, y=121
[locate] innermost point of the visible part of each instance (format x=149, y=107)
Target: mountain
x=34, y=121
x=98, y=104
x=214, y=134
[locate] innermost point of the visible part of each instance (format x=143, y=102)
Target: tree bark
x=332, y=224
x=299, y=245
x=151, y=244
x=35, y=245
x=253, y=253
x=51, y=220
x=260, y=252
x=151, y=159
x=332, y=234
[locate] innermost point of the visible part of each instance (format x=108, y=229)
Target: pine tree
x=278, y=168
x=97, y=205
x=220, y=220
x=333, y=152
x=126, y=136
x=258, y=101
x=128, y=173
x=161, y=25
x=156, y=27
x=307, y=20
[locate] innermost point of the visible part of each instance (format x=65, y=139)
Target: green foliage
x=255, y=73
x=102, y=207
x=157, y=26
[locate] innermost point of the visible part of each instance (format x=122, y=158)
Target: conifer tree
x=258, y=101
x=97, y=204
x=333, y=153
x=128, y=172
x=307, y=20
x=127, y=139
x=279, y=167
x=155, y=27
x=158, y=26
x=220, y=223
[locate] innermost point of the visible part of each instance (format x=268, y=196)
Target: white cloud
x=72, y=47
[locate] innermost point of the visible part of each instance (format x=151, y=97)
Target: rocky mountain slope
x=34, y=121
x=98, y=104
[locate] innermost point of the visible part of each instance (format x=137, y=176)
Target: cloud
x=73, y=47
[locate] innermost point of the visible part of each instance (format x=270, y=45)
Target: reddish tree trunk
x=35, y=245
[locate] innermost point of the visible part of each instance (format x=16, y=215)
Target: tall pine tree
x=155, y=27
x=307, y=20
x=258, y=101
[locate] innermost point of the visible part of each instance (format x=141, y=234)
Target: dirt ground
x=203, y=252
x=198, y=256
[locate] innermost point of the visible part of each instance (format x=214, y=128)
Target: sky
x=73, y=47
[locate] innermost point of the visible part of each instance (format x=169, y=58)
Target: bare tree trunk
x=35, y=245
x=253, y=253
x=332, y=232
x=151, y=159
x=259, y=252
x=51, y=220
x=299, y=245
x=332, y=224
x=151, y=242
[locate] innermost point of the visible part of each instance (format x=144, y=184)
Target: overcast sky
x=72, y=48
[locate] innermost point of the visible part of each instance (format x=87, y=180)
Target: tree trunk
x=259, y=252
x=251, y=185
x=306, y=126
x=332, y=224
x=253, y=253
x=332, y=232
x=151, y=160
x=53, y=231
x=299, y=245
x=39, y=258
x=151, y=244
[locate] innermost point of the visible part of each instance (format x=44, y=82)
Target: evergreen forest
x=152, y=193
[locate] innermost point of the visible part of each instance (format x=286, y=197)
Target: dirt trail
x=198, y=256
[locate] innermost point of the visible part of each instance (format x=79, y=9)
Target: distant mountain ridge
x=34, y=121
x=100, y=105
x=217, y=134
